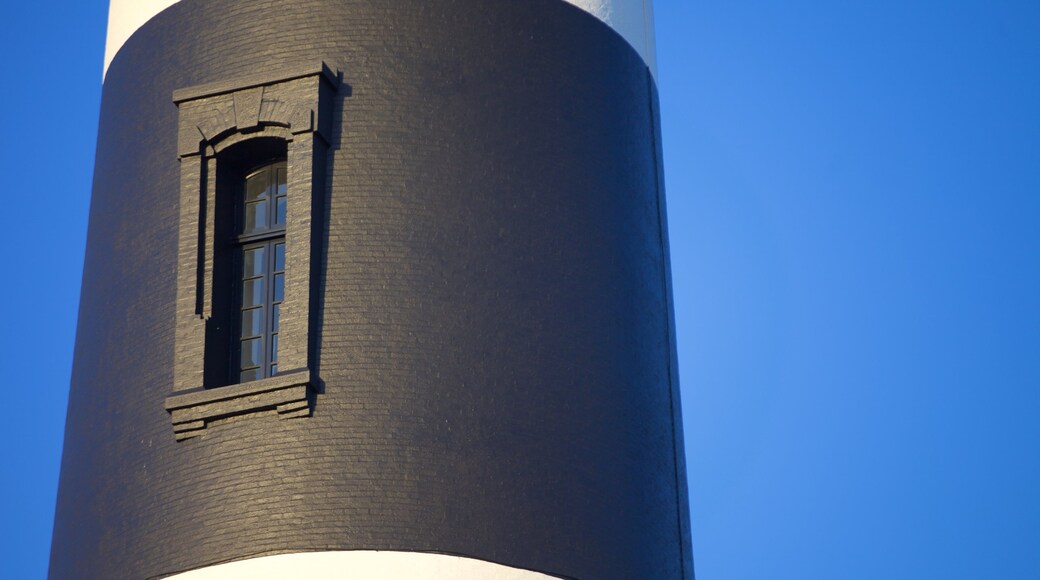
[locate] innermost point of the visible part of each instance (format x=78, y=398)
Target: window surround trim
x=295, y=106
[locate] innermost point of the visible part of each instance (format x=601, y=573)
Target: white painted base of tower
x=360, y=565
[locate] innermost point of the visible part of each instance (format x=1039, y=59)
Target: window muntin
x=261, y=259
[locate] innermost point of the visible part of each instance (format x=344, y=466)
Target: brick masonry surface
x=494, y=316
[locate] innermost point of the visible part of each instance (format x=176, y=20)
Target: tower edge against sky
x=489, y=362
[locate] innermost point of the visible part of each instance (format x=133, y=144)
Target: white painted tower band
x=361, y=565
x=124, y=18
x=632, y=19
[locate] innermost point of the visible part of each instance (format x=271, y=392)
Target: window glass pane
x=256, y=186
x=249, y=375
x=274, y=317
x=279, y=214
x=279, y=286
x=280, y=187
x=279, y=257
x=256, y=217
x=252, y=322
x=253, y=293
x=274, y=348
x=253, y=264
x=252, y=353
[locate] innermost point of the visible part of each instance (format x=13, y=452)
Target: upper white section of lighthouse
x=632, y=19
x=124, y=18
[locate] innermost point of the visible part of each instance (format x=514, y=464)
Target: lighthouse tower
x=376, y=289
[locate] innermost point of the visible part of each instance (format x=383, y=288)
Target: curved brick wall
x=495, y=340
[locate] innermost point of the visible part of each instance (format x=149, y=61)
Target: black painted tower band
x=495, y=338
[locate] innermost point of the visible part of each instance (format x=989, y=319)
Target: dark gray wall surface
x=495, y=347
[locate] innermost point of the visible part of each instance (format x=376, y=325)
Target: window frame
x=270, y=238
x=268, y=334
x=216, y=122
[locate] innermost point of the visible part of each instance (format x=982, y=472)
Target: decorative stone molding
x=286, y=393
x=293, y=107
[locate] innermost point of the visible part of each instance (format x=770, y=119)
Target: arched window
x=261, y=267
x=253, y=156
x=250, y=214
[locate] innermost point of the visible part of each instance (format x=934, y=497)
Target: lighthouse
x=376, y=289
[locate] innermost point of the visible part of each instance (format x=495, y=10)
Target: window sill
x=287, y=394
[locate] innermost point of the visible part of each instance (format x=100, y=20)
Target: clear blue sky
x=854, y=198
